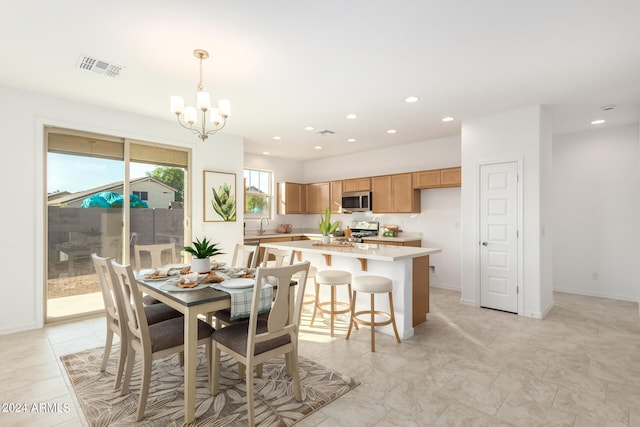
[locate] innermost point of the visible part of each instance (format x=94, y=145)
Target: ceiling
x=288, y=64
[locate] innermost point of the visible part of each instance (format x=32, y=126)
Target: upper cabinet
x=291, y=198
x=336, y=196
x=438, y=178
x=358, y=184
x=395, y=194
x=317, y=196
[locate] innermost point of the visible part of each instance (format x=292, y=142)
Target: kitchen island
x=408, y=267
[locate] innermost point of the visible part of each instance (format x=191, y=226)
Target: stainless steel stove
x=362, y=229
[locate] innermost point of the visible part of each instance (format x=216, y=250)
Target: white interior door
x=499, y=236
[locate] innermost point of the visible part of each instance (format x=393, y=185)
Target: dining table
x=190, y=303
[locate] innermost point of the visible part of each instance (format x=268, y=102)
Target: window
x=257, y=185
x=144, y=195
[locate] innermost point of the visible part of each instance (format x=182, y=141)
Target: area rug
x=275, y=404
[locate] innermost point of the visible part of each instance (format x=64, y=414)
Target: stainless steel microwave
x=357, y=201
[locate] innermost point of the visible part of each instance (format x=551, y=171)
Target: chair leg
x=250, y=412
x=181, y=356
x=393, y=318
x=207, y=349
x=107, y=350
x=315, y=304
x=352, y=302
x=131, y=358
x=373, y=327
x=147, y=362
x=333, y=308
x=242, y=370
x=215, y=369
x=353, y=311
x=295, y=373
x=121, y=362
x=259, y=370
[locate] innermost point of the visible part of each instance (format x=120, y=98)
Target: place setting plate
x=239, y=283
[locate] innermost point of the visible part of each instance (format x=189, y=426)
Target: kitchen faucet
x=266, y=220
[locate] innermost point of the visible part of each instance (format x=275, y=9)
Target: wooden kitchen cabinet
x=395, y=194
x=317, y=197
x=291, y=198
x=438, y=178
x=357, y=184
x=335, y=196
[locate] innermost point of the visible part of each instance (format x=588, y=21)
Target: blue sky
x=78, y=173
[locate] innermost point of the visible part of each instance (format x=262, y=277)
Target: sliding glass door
x=105, y=195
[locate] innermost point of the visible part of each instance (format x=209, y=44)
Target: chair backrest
x=156, y=254
x=281, y=257
x=283, y=319
x=111, y=292
x=244, y=256
x=138, y=329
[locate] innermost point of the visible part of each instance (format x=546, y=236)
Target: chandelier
x=188, y=116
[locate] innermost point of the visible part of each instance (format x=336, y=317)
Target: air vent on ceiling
x=326, y=132
x=99, y=66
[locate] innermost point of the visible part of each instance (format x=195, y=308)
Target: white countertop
x=358, y=250
x=402, y=237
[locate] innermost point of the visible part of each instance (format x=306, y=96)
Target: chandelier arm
x=213, y=131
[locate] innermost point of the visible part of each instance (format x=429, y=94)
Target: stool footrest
x=347, y=308
x=368, y=313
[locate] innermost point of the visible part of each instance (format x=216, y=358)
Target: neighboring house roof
x=107, y=187
x=56, y=195
x=254, y=189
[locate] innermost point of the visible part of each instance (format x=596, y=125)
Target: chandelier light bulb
x=203, y=101
x=188, y=116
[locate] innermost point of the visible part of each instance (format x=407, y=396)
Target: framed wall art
x=219, y=196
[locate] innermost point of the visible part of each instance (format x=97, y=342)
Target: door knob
x=485, y=243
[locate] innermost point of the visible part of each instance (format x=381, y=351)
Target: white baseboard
x=594, y=294
x=19, y=328
x=445, y=286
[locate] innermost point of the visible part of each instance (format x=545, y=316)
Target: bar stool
x=332, y=278
x=372, y=285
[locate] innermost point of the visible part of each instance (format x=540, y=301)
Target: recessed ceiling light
x=352, y=116
x=390, y=131
x=447, y=119
x=411, y=99
x=351, y=140
x=277, y=138
x=266, y=153
x=318, y=147
x=598, y=122
x=309, y=128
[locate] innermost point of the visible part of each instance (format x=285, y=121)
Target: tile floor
x=464, y=366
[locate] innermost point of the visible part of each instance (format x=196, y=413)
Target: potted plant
x=325, y=226
x=202, y=250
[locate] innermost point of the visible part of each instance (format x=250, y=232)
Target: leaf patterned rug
x=275, y=404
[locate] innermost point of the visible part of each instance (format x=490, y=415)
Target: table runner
x=241, y=300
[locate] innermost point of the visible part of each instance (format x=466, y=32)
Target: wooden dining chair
x=244, y=256
x=272, y=258
x=151, y=341
x=115, y=313
x=261, y=340
x=155, y=252
x=277, y=257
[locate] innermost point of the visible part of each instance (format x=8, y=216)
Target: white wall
x=597, y=212
x=433, y=154
x=22, y=117
x=515, y=135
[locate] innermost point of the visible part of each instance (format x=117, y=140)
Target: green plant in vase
x=202, y=250
x=326, y=227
